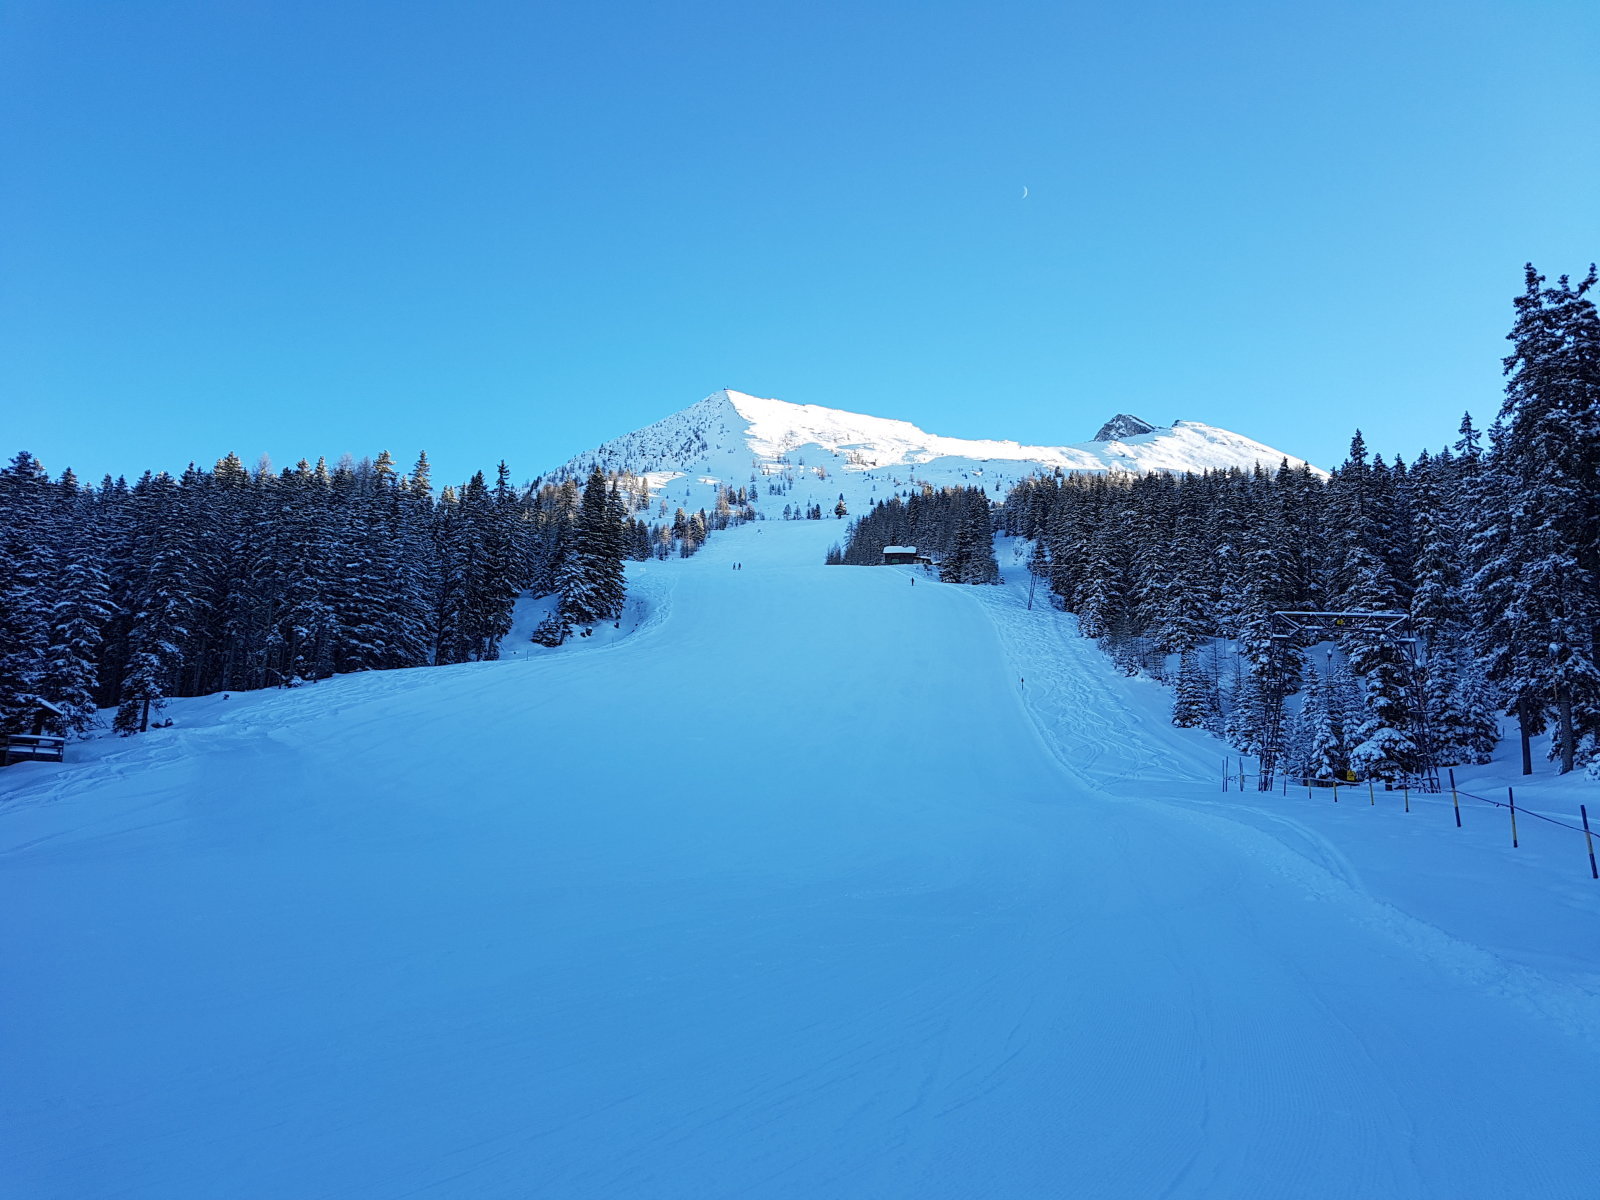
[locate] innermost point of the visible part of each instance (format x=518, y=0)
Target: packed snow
x=800, y=881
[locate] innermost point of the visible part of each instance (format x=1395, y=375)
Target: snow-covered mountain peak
x=777, y=427
x=1123, y=425
x=764, y=428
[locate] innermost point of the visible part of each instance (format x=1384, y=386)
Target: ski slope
x=808, y=882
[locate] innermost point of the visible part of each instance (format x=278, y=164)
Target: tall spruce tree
x=592, y=580
x=1548, y=455
x=1194, y=700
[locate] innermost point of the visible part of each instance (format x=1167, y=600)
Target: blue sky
x=515, y=229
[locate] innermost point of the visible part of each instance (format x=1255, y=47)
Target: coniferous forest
x=1490, y=546
x=955, y=526
x=122, y=595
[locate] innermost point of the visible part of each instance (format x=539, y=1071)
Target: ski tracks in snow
x=789, y=902
x=1082, y=712
x=1079, y=708
x=250, y=725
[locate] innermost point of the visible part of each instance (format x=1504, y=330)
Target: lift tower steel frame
x=1291, y=628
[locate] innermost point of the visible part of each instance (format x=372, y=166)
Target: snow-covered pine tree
x=1462, y=718
x=496, y=569
x=1247, y=716
x=161, y=608
x=307, y=623
x=82, y=609
x=1384, y=744
x=1194, y=700
x=1102, y=593
x=1549, y=455
x=399, y=518
x=975, y=534
x=1294, y=748
x=25, y=589
x=1327, y=754
x=1177, y=602
x=592, y=582
x=1503, y=644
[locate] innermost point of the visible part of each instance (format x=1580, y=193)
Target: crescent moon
x=1024, y=193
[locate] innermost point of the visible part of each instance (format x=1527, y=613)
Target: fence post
x=1224, y=772
x=1583, y=811
x=1372, y=796
x=1408, y=797
x=1513, y=797
x=1454, y=799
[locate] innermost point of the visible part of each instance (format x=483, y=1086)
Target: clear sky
x=516, y=229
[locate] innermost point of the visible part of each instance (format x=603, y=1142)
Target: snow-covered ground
x=805, y=882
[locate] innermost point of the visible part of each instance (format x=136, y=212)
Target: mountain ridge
x=767, y=431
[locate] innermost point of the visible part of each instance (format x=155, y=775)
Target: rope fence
x=1232, y=778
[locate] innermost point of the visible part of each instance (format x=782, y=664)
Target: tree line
x=231, y=579
x=1493, y=550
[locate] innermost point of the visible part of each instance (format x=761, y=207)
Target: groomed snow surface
x=806, y=882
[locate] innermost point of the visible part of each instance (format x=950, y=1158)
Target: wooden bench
x=35, y=747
